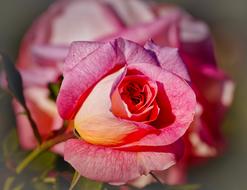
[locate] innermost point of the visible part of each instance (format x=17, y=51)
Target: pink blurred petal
x=49, y=52
x=83, y=20
x=143, y=32
x=38, y=76
x=66, y=21
x=196, y=44
x=132, y=12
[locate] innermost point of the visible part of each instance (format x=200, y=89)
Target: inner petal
x=134, y=99
x=138, y=92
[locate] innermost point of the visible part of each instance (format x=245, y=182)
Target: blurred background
x=227, y=20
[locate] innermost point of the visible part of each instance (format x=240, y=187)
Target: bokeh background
x=228, y=22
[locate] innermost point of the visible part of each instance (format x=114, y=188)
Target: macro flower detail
x=130, y=102
x=127, y=108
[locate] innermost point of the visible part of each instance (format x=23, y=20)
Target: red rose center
x=135, y=99
x=133, y=94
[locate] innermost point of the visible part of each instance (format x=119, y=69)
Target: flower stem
x=46, y=145
x=35, y=153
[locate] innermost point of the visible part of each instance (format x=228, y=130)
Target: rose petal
x=196, y=46
x=88, y=62
x=108, y=165
x=169, y=59
x=133, y=12
x=143, y=32
x=49, y=52
x=134, y=53
x=83, y=20
x=145, y=112
x=95, y=122
x=183, y=104
x=38, y=77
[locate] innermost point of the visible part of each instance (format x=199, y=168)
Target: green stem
x=45, y=146
x=8, y=183
x=35, y=153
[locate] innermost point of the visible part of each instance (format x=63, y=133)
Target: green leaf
x=14, y=79
x=43, y=163
x=12, y=153
x=15, y=86
x=42, y=186
x=10, y=144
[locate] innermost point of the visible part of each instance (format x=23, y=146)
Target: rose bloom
x=46, y=43
x=129, y=107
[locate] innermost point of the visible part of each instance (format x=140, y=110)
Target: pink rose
x=46, y=44
x=128, y=105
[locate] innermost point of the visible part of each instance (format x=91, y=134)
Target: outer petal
x=169, y=59
x=113, y=166
x=82, y=72
x=133, y=53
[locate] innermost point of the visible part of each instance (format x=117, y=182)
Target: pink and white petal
x=88, y=62
x=132, y=12
x=114, y=166
x=39, y=77
x=143, y=32
x=95, y=122
x=60, y=25
x=83, y=20
x=50, y=52
x=169, y=59
x=82, y=73
x=183, y=105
